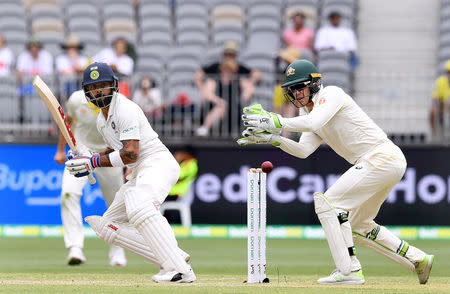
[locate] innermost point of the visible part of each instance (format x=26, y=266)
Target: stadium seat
x=194, y=39
x=117, y=27
x=183, y=205
x=156, y=38
x=264, y=11
x=149, y=10
x=45, y=11
x=263, y=25
x=122, y=11
x=12, y=23
x=81, y=10
x=155, y=24
x=227, y=13
x=12, y=9
x=191, y=10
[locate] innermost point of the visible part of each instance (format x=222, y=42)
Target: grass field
x=38, y=266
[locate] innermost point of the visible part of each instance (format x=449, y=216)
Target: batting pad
x=330, y=224
x=123, y=235
x=160, y=238
x=377, y=247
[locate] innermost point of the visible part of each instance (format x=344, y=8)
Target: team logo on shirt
x=113, y=125
x=321, y=101
x=290, y=71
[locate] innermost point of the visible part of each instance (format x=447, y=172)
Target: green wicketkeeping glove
x=255, y=116
x=258, y=136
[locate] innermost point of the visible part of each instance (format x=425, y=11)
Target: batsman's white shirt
x=345, y=127
x=155, y=170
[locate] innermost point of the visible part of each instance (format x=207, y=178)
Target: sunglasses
x=298, y=87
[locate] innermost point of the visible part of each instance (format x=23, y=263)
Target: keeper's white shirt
x=85, y=116
x=126, y=121
x=337, y=120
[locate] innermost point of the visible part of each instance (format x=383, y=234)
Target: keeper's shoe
x=336, y=278
x=175, y=277
x=423, y=268
x=75, y=256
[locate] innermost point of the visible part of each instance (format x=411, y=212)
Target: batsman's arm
x=127, y=155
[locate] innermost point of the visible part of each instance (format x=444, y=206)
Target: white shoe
x=176, y=277
x=162, y=272
x=336, y=277
x=75, y=256
x=201, y=132
x=117, y=256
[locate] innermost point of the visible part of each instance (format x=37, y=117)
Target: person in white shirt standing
x=133, y=221
x=352, y=203
x=6, y=58
x=82, y=117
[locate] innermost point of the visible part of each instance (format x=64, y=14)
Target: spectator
x=6, y=58
x=120, y=62
x=225, y=81
x=71, y=63
x=148, y=97
x=337, y=37
x=117, y=58
x=188, y=173
x=440, y=107
x=34, y=61
x=298, y=36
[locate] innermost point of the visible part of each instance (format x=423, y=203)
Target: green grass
x=38, y=266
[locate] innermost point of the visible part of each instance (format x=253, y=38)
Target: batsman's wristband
x=95, y=160
x=115, y=159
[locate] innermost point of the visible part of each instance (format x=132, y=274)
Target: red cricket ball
x=267, y=166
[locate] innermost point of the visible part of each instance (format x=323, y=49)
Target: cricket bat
x=58, y=115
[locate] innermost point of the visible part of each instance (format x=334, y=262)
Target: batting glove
x=81, y=166
x=258, y=136
x=255, y=116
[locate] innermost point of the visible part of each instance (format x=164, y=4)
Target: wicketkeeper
x=350, y=205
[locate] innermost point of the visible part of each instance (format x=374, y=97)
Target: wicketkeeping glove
x=256, y=116
x=81, y=166
x=258, y=136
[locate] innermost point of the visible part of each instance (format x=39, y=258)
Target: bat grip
x=92, y=180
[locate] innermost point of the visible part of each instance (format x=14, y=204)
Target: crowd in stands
x=217, y=88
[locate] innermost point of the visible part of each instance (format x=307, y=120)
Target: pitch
x=29, y=265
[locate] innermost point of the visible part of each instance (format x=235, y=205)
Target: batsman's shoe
x=75, y=256
x=423, y=268
x=176, y=277
x=336, y=278
x=117, y=256
x=162, y=272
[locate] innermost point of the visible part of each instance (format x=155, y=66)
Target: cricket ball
x=267, y=167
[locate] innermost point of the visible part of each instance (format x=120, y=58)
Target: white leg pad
x=156, y=231
x=122, y=235
x=380, y=249
x=329, y=220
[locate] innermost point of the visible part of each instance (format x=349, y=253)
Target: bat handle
x=92, y=180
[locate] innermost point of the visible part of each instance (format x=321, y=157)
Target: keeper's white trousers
x=110, y=180
x=365, y=186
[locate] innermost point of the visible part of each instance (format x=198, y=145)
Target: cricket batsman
x=82, y=118
x=350, y=205
x=133, y=221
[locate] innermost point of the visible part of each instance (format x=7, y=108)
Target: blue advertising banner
x=30, y=186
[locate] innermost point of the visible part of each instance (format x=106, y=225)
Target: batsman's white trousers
x=365, y=186
x=110, y=180
x=154, y=178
